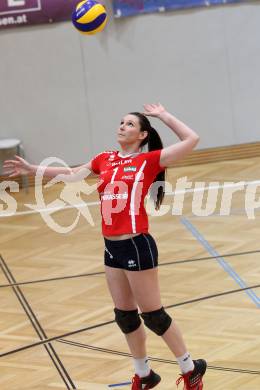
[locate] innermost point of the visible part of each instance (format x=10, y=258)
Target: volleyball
x=89, y=17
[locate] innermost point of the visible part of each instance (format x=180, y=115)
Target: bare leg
x=145, y=288
x=123, y=299
x=173, y=338
x=136, y=342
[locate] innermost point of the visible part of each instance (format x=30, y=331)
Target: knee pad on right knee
x=127, y=320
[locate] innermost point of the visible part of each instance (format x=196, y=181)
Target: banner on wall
x=134, y=7
x=14, y=13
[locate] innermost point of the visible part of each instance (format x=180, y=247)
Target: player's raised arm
x=188, y=137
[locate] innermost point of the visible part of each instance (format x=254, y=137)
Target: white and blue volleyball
x=89, y=17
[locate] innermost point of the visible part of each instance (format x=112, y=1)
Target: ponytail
x=154, y=142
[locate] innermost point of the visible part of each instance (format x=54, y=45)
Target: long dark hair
x=154, y=142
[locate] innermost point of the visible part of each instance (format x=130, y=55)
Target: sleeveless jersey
x=124, y=183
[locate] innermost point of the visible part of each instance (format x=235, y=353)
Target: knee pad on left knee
x=158, y=321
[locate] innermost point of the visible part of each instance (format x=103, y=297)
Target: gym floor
x=57, y=325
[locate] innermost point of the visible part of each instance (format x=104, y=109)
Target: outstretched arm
x=19, y=166
x=188, y=137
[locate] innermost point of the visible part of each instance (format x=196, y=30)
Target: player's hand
x=16, y=167
x=153, y=109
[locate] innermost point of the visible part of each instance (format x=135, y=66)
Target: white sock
x=185, y=362
x=142, y=368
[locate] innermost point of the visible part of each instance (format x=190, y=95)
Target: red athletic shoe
x=193, y=379
x=149, y=382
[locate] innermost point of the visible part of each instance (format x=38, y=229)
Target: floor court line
x=77, y=331
x=38, y=328
x=161, y=264
x=151, y=358
x=221, y=261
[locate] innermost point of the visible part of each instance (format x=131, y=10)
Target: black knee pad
x=127, y=320
x=158, y=321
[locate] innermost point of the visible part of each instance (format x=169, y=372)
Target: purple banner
x=16, y=13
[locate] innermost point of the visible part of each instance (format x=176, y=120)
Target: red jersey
x=124, y=183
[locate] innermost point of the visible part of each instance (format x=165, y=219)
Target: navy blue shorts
x=133, y=254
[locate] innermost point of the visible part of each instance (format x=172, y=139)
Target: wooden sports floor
x=56, y=316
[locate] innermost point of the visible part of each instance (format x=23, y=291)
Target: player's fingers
x=8, y=169
x=9, y=161
x=19, y=158
x=8, y=165
x=148, y=105
x=148, y=109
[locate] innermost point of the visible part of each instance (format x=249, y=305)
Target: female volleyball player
x=130, y=251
